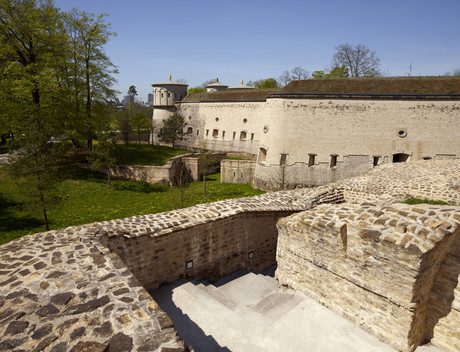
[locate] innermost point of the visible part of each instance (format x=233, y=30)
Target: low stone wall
x=237, y=171
x=163, y=174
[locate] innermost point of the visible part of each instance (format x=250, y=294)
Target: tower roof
x=169, y=83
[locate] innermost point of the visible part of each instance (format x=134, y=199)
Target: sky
x=248, y=40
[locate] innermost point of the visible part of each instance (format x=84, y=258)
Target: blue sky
x=248, y=40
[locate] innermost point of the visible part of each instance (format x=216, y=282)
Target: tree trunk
x=42, y=203
x=204, y=185
x=108, y=178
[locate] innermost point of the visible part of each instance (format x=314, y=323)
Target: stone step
x=247, y=290
x=277, y=305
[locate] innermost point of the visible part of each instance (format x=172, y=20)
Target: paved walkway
x=248, y=312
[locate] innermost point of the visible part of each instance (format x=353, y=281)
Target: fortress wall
x=237, y=171
x=355, y=131
x=225, y=126
x=375, y=265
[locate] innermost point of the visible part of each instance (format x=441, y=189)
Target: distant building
x=150, y=99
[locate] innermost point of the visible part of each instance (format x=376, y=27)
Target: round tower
x=165, y=95
x=216, y=86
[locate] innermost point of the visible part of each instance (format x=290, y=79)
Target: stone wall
x=237, y=171
x=223, y=126
x=392, y=269
x=163, y=174
x=374, y=265
x=334, y=139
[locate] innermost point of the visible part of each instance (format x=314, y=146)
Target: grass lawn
x=145, y=154
x=85, y=198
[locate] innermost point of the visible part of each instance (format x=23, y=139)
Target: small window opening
x=333, y=160
x=262, y=155
x=344, y=236
x=162, y=95
x=250, y=254
x=189, y=264
x=234, y=135
x=169, y=95
x=376, y=160
x=427, y=158
x=400, y=157
x=190, y=130
x=245, y=120
x=311, y=159
x=197, y=132
x=283, y=159
x=207, y=133
x=243, y=135
x=215, y=133
x=252, y=136
x=217, y=119
x=223, y=134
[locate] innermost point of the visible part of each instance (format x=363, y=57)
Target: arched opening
x=189, y=130
x=400, y=157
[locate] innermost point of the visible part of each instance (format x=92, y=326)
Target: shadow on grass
x=141, y=187
x=11, y=221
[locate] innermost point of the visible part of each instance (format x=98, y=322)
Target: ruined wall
x=237, y=171
x=217, y=249
x=374, y=265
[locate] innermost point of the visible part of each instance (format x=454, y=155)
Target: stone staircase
x=249, y=312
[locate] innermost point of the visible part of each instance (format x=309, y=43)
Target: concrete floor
x=249, y=312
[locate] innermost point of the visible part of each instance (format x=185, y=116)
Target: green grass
x=414, y=201
x=85, y=198
x=144, y=154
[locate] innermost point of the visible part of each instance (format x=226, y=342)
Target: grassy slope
x=84, y=197
x=391, y=85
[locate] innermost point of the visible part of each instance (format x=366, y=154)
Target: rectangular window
x=262, y=155
x=311, y=159
x=376, y=160
x=334, y=160
x=252, y=136
x=243, y=135
x=234, y=135
x=283, y=159
x=197, y=132
x=207, y=133
x=215, y=133
x=223, y=134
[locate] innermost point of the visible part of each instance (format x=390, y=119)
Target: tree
x=140, y=124
x=173, y=129
x=104, y=156
x=132, y=92
x=264, y=83
x=195, y=90
x=181, y=179
x=203, y=160
x=32, y=40
x=123, y=122
x=90, y=71
x=297, y=73
x=338, y=72
x=318, y=74
x=359, y=59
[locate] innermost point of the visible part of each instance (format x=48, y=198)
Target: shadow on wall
x=443, y=292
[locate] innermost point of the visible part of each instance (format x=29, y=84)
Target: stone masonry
x=83, y=287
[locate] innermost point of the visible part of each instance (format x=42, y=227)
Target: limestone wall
x=356, y=133
x=237, y=171
x=375, y=265
x=224, y=126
